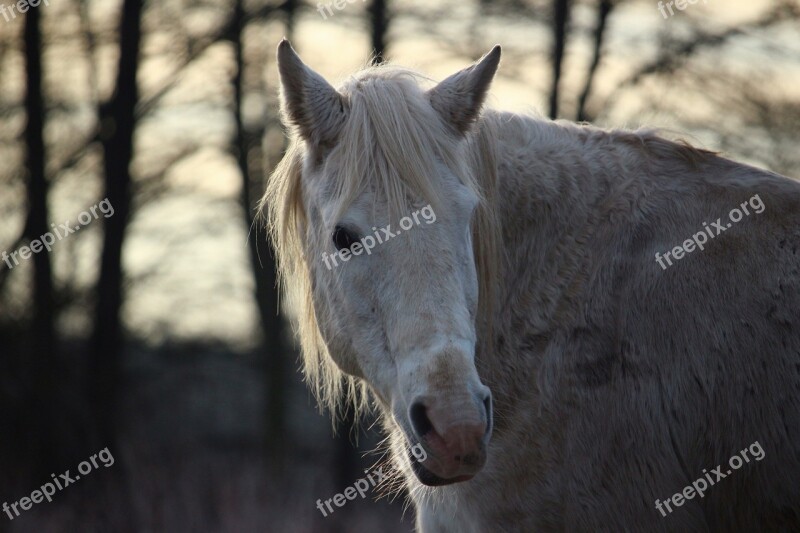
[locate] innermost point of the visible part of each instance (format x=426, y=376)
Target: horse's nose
x=456, y=432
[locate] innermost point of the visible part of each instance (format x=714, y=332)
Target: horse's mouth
x=426, y=477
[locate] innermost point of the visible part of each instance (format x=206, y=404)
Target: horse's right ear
x=307, y=100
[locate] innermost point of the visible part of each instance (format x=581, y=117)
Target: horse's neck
x=554, y=173
x=554, y=189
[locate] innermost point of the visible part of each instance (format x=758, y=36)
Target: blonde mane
x=392, y=141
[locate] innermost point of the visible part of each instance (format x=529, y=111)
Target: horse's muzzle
x=454, y=434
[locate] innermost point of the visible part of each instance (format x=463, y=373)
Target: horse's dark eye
x=343, y=238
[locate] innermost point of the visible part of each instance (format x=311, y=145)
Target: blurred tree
x=274, y=348
x=679, y=48
x=43, y=359
x=379, y=15
x=604, y=8
x=289, y=8
x=117, y=122
x=561, y=10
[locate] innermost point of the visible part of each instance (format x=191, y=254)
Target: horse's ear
x=307, y=100
x=458, y=99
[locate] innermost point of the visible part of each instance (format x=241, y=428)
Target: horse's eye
x=343, y=238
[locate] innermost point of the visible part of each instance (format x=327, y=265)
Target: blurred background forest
x=154, y=332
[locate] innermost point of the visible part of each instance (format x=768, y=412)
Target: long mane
x=392, y=141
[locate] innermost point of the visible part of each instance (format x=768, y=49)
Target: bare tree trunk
x=379, y=15
x=43, y=357
x=275, y=349
x=290, y=8
x=118, y=123
x=560, y=21
x=603, y=11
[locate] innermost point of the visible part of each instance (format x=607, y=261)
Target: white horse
x=566, y=350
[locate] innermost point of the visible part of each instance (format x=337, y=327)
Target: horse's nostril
x=419, y=419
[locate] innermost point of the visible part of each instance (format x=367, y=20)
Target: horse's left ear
x=458, y=99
